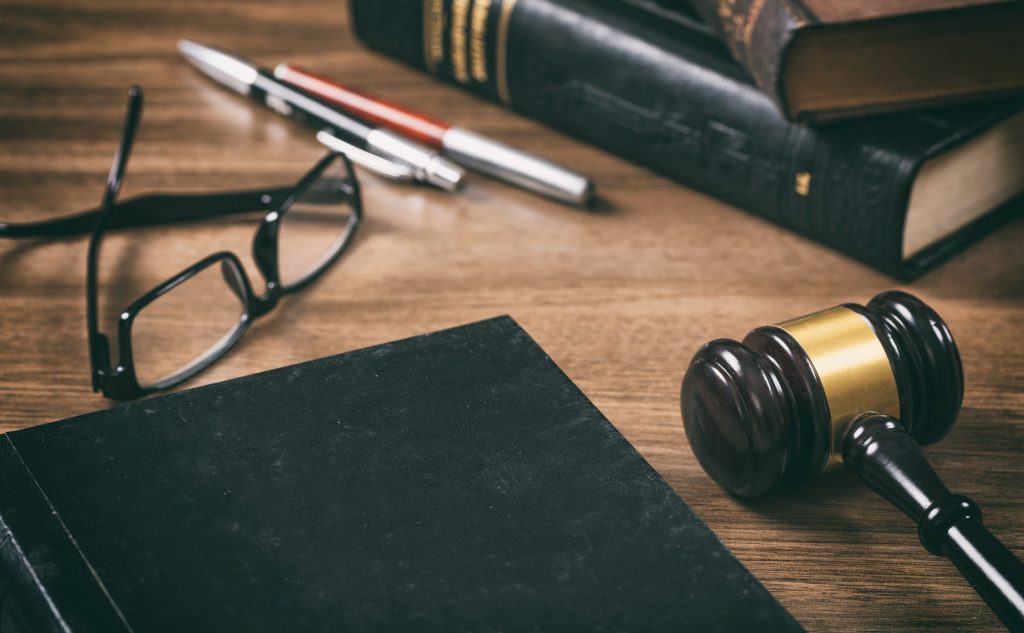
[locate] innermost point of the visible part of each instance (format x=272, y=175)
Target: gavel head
x=774, y=409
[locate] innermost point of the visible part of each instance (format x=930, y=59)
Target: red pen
x=464, y=146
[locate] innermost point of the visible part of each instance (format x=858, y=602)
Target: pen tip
x=225, y=68
x=186, y=46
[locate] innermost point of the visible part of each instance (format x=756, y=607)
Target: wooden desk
x=620, y=299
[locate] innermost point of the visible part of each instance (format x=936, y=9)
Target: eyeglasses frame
x=120, y=381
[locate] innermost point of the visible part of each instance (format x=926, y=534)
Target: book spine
x=759, y=34
x=666, y=96
x=46, y=585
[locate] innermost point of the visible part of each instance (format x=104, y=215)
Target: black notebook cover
x=456, y=481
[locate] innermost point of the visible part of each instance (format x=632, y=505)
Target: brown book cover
x=833, y=59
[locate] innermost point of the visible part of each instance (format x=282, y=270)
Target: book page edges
x=960, y=186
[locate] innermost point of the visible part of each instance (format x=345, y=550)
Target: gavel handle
x=993, y=570
x=891, y=463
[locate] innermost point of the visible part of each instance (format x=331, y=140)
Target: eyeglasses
x=305, y=229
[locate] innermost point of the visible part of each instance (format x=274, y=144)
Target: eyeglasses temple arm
x=151, y=210
x=99, y=346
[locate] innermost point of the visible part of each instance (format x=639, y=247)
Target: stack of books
x=891, y=131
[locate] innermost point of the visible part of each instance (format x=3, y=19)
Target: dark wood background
x=620, y=299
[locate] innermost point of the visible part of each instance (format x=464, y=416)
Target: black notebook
x=456, y=481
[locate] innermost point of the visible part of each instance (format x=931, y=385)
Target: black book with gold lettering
x=456, y=481
x=652, y=83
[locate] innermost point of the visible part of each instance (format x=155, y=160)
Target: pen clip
x=373, y=163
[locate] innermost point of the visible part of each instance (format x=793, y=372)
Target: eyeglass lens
x=316, y=226
x=209, y=306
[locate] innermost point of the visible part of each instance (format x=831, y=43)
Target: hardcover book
x=830, y=59
x=455, y=481
x=901, y=192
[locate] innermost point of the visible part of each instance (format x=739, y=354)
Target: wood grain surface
x=621, y=298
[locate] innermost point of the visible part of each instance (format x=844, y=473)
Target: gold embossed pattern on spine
x=852, y=366
x=460, y=55
x=433, y=33
x=478, y=46
x=501, y=51
x=460, y=32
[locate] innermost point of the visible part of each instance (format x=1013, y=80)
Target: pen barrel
x=427, y=165
x=415, y=125
x=511, y=165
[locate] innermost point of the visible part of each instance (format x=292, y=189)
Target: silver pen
x=378, y=149
x=461, y=145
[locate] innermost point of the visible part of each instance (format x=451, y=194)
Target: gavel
x=860, y=386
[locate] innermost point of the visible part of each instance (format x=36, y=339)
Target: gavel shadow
x=838, y=504
x=880, y=546
x=838, y=523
